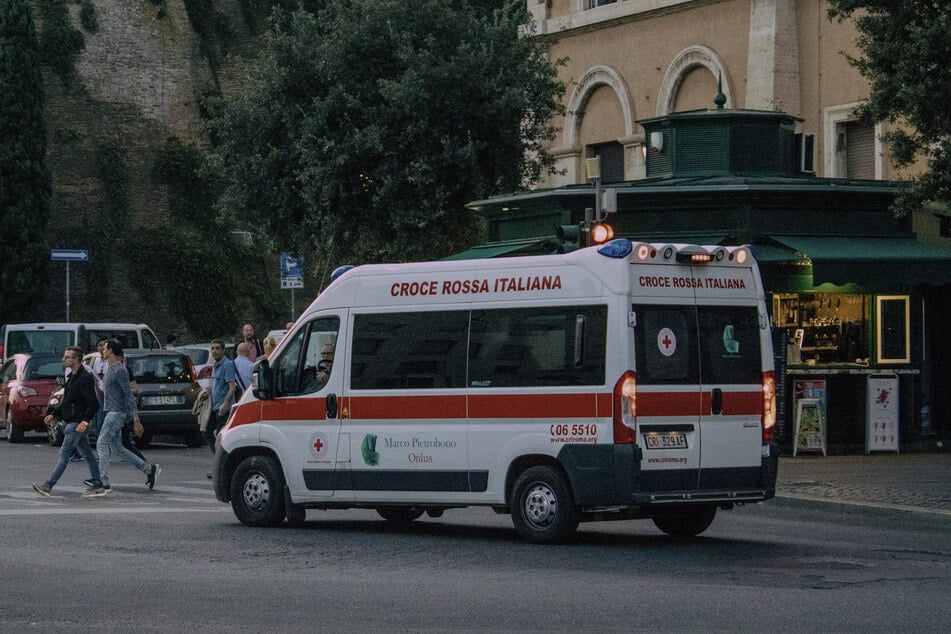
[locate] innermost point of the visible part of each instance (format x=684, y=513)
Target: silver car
x=200, y=354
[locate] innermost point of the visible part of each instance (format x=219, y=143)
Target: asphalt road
x=175, y=559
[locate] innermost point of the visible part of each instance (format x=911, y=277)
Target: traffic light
x=599, y=233
x=569, y=238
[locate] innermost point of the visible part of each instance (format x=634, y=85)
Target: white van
x=624, y=381
x=56, y=337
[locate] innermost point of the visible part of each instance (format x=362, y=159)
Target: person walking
x=222, y=390
x=255, y=348
x=243, y=366
x=77, y=409
x=119, y=405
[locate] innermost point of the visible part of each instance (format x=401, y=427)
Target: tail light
x=191, y=370
x=769, y=407
x=205, y=372
x=625, y=409
x=24, y=391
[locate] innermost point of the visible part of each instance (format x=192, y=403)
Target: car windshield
x=169, y=368
x=42, y=369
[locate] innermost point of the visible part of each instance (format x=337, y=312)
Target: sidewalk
x=918, y=482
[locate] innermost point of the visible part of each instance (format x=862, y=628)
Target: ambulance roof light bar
x=690, y=253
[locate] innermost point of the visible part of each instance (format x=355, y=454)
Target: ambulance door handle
x=716, y=402
x=331, y=406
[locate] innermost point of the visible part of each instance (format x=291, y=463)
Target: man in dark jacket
x=79, y=406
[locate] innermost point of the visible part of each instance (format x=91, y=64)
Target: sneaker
x=153, y=476
x=95, y=493
x=89, y=485
x=43, y=490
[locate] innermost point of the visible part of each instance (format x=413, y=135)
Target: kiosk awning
x=530, y=246
x=873, y=262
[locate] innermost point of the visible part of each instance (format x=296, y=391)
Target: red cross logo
x=666, y=341
x=318, y=445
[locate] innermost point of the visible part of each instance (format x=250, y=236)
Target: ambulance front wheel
x=257, y=492
x=543, y=509
x=686, y=522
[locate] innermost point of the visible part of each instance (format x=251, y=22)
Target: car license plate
x=671, y=440
x=164, y=400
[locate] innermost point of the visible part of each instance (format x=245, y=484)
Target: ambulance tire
x=257, y=492
x=400, y=514
x=543, y=508
x=688, y=522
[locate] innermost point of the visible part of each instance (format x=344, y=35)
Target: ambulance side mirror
x=262, y=383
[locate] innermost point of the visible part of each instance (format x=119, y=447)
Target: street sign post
x=292, y=274
x=67, y=256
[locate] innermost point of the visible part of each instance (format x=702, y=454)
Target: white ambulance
x=624, y=381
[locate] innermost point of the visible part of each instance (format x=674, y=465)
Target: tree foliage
x=24, y=178
x=905, y=48
x=370, y=124
x=191, y=264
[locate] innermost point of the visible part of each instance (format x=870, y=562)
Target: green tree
x=904, y=52
x=370, y=123
x=24, y=178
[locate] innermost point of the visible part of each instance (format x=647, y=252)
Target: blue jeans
x=110, y=441
x=73, y=440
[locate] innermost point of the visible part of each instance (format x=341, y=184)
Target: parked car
x=26, y=383
x=167, y=390
x=200, y=354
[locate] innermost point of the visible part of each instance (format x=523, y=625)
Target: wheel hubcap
x=257, y=491
x=541, y=505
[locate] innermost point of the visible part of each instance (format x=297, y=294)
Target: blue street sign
x=291, y=266
x=69, y=255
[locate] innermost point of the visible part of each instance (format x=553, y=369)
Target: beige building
x=636, y=59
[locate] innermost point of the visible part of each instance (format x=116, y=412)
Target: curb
x=874, y=505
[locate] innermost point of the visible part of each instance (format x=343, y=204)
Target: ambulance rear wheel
x=688, y=522
x=400, y=514
x=257, y=492
x=543, y=508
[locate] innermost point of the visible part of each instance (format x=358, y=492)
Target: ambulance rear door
x=730, y=318
x=668, y=377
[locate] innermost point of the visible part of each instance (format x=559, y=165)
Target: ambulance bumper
x=611, y=475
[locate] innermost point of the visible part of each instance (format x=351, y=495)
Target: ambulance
x=623, y=381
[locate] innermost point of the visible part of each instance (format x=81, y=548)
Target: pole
x=67, y=291
x=292, y=305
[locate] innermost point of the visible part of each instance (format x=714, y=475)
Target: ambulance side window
x=301, y=368
x=666, y=345
x=409, y=350
x=729, y=344
x=530, y=347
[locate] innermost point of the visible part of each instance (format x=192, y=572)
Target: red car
x=26, y=382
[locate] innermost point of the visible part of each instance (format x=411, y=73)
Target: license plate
x=164, y=400
x=671, y=440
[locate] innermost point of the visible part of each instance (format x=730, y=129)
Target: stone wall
x=137, y=81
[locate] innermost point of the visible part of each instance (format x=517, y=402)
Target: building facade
x=635, y=59
x=731, y=122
